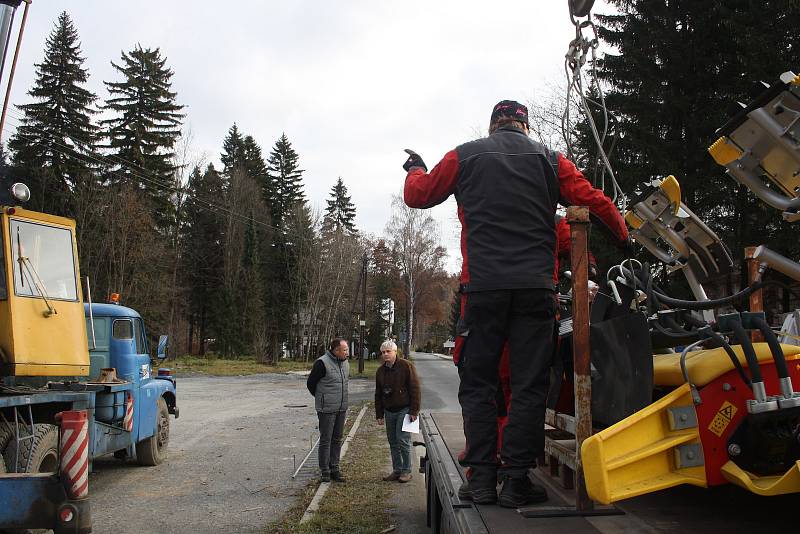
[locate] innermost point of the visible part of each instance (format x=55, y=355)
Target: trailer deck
x=444, y=437
x=680, y=509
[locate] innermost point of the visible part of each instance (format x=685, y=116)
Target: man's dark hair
x=505, y=122
x=336, y=342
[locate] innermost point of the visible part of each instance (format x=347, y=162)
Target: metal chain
x=582, y=48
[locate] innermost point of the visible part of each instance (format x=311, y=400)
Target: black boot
x=481, y=488
x=337, y=476
x=520, y=491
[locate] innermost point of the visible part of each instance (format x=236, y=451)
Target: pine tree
x=286, y=177
x=143, y=133
x=340, y=212
x=676, y=70
x=54, y=141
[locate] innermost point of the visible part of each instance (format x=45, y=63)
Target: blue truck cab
x=118, y=339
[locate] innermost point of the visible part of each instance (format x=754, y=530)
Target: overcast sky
x=351, y=83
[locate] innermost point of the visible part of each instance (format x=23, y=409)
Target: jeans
x=331, y=426
x=399, y=441
x=524, y=317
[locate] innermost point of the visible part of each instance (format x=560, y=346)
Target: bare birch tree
x=415, y=239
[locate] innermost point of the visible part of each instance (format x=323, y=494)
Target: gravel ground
x=230, y=459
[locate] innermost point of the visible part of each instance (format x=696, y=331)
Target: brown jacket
x=396, y=387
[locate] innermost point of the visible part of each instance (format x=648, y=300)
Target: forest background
x=232, y=259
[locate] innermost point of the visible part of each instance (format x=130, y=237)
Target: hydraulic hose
x=708, y=304
x=729, y=351
x=672, y=323
x=681, y=334
x=774, y=347
x=660, y=297
x=749, y=352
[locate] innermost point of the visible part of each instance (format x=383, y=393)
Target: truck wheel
x=153, y=450
x=39, y=455
x=6, y=433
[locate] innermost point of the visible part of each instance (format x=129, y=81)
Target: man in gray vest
x=328, y=383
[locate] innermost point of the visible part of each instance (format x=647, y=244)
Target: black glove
x=626, y=246
x=414, y=160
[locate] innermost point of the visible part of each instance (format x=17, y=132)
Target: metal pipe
x=775, y=261
x=6, y=22
x=756, y=297
x=91, y=314
x=751, y=181
x=14, y=66
x=698, y=291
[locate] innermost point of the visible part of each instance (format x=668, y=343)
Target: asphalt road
x=439, y=382
x=230, y=461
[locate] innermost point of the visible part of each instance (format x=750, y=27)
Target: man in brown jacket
x=396, y=395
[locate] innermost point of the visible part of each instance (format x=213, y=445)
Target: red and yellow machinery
x=726, y=413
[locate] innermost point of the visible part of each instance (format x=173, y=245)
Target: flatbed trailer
x=681, y=509
x=446, y=513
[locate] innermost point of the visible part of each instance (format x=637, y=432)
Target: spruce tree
x=340, y=212
x=677, y=69
x=246, y=310
x=202, y=254
x=232, y=150
x=286, y=177
x=257, y=169
x=143, y=133
x=55, y=140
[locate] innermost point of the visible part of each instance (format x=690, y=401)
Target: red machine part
x=724, y=407
x=75, y=453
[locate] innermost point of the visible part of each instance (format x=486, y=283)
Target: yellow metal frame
x=638, y=455
x=770, y=486
x=672, y=189
x=724, y=151
x=633, y=220
x=703, y=366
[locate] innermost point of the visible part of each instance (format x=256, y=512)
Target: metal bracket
x=682, y=417
x=689, y=455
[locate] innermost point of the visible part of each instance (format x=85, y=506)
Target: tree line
x=230, y=259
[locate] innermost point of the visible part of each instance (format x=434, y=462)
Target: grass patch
x=360, y=505
x=218, y=366
x=214, y=365
x=370, y=368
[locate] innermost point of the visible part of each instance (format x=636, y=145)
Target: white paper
x=409, y=426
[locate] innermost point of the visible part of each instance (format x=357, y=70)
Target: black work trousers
x=525, y=317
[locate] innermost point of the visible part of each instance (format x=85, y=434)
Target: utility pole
x=363, y=319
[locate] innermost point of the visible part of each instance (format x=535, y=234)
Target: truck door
x=146, y=413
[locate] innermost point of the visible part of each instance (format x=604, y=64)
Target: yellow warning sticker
x=723, y=418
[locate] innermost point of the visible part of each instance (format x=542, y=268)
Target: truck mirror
x=163, y=341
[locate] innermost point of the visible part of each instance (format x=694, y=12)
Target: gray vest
x=331, y=395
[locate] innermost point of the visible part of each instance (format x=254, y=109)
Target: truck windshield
x=48, y=250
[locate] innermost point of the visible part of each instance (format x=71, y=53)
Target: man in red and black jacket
x=507, y=187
